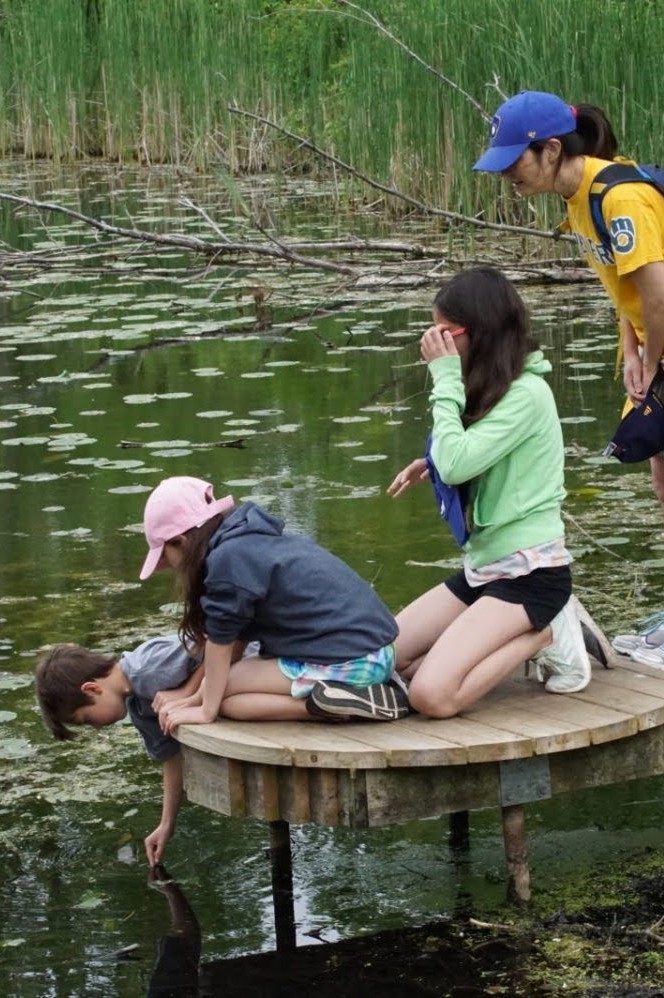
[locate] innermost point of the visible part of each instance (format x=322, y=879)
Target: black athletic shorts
x=542, y=593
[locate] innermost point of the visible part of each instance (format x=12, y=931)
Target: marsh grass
x=151, y=82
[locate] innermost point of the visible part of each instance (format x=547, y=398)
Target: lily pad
x=139, y=399
x=16, y=748
x=89, y=900
x=11, y=682
x=25, y=441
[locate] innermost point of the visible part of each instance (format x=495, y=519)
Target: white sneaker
x=649, y=634
x=564, y=665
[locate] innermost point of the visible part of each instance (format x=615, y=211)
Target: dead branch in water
x=421, y=206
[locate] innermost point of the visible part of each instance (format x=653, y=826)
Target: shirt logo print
x=623, y=236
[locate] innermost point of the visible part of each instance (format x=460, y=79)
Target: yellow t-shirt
x=634, y=216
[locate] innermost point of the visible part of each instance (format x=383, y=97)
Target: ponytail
x=593, y=136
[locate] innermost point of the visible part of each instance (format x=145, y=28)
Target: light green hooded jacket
x=512, y=457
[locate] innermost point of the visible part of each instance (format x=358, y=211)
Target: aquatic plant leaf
x=139, y=399
x=11, y=682
x=16, y=748
x=25, y=441
x=172, y=453
x=89, y=900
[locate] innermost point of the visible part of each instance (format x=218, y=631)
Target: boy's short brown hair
x=60, y=673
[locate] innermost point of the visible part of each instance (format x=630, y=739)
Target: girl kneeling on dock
x=244, y=580
x=496, y=432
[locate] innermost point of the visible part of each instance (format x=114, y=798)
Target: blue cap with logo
x=531, y=116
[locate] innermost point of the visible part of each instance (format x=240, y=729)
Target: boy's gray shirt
x=157, y=664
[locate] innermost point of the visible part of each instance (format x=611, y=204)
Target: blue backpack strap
x=619, y=173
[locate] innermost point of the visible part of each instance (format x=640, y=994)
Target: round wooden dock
x=518, y=745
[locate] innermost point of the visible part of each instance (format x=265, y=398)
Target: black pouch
x=640, y=434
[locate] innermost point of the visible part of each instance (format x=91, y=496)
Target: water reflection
x=179, y=950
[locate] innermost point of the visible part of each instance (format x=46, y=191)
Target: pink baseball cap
x=175, y=506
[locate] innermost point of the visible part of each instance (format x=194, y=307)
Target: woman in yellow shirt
x=542, y=145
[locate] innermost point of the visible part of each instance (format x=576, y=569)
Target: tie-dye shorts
x=376, y=667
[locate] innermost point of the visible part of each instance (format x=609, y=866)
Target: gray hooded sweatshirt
x=288, y=593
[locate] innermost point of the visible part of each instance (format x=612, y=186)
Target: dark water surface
x=323, y=391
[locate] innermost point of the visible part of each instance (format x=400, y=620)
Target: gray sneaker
x=649, y=634
x=378, y=702
x=564, y=666
x=649, y=656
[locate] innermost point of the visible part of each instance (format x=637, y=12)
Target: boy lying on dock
x=78, y=686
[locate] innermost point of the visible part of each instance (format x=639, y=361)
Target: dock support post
x=516, y=851
x=281, y=866
x=459, y=837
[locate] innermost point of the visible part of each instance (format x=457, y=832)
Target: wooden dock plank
x=632, y=676
x=514, y=721
x=548, y=733
x=247, y=741
x=647, y=710
x=282, y=743
x=604, y=724
x=483, y=742
x=413, y=741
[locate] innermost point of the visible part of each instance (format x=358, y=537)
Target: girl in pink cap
x=244, y=579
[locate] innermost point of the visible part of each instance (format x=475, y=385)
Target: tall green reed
x=152, y=80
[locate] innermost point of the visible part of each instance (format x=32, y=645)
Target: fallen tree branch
x=426, y=209
x=191, y=243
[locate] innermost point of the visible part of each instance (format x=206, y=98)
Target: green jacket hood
x=536, y=363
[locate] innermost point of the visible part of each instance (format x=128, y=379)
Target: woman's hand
x=437, y=342
x=633, y=379
x=413, y=473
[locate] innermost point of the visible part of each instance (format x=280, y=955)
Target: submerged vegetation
x=153, y=81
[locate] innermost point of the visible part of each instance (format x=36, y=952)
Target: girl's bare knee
x=432, y=703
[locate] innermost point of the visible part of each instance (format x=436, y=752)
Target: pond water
x=279, y=385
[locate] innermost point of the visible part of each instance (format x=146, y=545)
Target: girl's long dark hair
x=496, y=321
x=192, y=580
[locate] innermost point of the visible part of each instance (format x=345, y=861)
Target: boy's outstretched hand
x=156, y=842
